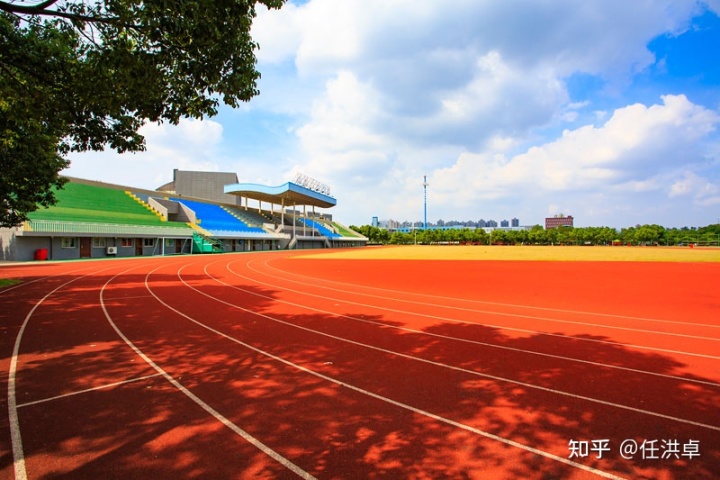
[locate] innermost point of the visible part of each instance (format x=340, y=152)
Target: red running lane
x=343, y=398
x=310, y=360
x=588, y=335
x=489, y=358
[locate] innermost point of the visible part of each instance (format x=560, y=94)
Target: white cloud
x=634, y=146
x=438, y=64
x=191, y=145
x=277, y=32
x=374, y=94
x=702, y=191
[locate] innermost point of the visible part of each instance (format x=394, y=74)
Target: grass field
x=529, y=253
x=6, y=282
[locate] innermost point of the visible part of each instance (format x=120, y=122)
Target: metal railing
x=56, y=227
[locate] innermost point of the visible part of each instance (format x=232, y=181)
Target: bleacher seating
x=213, y=217
x=78, y=202
x=320, y=228
x=344, y=231
x=251, y=217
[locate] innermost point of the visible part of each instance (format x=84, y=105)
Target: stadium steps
x=207, y=244
x=146, y=205
x=199, y=230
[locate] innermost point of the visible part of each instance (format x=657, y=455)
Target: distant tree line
x=537, y=235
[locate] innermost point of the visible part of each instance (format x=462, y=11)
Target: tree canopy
x=79, y=75
x=537, y=235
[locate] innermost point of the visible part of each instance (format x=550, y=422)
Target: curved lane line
x=517, y=315
x=13, y=419
x=455, y=299
x=202, y=404
x=405, y=406
x=446, y=337
x=24, y=284
x=442, y=365
x=514, y=329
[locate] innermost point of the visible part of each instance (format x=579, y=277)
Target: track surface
x=270, y=365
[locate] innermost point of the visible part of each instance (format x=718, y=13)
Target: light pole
x=425, y=185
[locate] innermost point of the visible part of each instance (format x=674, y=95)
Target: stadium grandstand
x=198, y=212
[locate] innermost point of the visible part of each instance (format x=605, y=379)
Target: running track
x=269, y=365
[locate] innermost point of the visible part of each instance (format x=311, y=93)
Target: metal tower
x=425, y=185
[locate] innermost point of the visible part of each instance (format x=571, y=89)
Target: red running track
x=271, y=365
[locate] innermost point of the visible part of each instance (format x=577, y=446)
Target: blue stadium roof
x=291, y=193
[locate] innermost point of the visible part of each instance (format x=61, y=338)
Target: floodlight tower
x=425, y=185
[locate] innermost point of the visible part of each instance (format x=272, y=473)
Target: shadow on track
x=146, y=428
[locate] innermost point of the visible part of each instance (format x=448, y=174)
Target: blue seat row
x=214, y=217
x=320, y=228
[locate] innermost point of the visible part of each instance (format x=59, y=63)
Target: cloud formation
x=477, y=81
x=512, y=109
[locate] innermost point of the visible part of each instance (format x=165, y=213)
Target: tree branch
x=37, y=10
x=32, y=9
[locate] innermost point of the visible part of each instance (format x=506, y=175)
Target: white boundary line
x=23, y=284
x=88, y=390
x=467, y=322
x=268, y=262
x=214, y=413
x=442, y=365
x=433, y=416
x=13, y=419
x=446, y=337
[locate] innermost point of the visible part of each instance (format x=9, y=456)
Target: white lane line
x=447, y=337
x=467, y=322
x=517, y=315
x=405, y=406
x=217, y=415
x=88, y=390
x=24, y=284
x=443, y=365
x=355, y=287
x=13, y=419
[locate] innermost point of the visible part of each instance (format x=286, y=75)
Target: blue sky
x=605, y=110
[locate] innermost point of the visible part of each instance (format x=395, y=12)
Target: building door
x=138, y=247
x=85, y=247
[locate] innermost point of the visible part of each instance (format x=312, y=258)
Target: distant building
x=375, y=222
x=491, y=224
x=558, y=221
x=205, y=185
x=504, y=223
x=514, y=222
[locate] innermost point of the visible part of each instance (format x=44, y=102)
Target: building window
x=127, y=242
x=148, y=242
x=98, y=242
x=68, y=242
